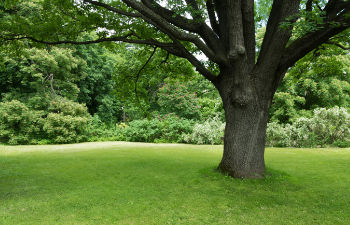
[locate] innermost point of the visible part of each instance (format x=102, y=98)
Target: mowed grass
x=130, y=183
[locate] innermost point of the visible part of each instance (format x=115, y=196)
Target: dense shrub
x=100, y=131
x=208, y=132
x=173, y=128
x=66, y=122
x=18, y=124
x=169, y=128
x=62, y=121
x=325, y=127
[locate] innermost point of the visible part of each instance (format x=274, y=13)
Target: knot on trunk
x=241, y=101
x=236, y=52
x=241, y=97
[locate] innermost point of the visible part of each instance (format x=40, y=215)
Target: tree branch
x=124, y=38
x=139, y=72
x=276, y=38
x=249, y=30
x=197, y=26
x=333, y=7
x=113, y=9
x=166, y=59
x=159, y=20
x=300, y=47
x=163, y=19
x=212, y=17
x=184, y=53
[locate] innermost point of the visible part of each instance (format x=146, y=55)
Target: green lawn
x=130, y=183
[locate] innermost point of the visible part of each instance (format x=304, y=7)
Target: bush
x=19, y=124
x=62, y=121
x=325, y=127
x=65, y=129
x=169, y=128
x=211, y=107
x=100, y=131
x=67, y=122
x=331, y=125
x=209, y=132
x=172, y=129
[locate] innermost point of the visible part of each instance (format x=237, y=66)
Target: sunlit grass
x=129, y=183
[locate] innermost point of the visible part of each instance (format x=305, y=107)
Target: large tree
x=222, y=30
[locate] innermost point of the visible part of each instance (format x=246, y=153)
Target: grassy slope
x=123, y=183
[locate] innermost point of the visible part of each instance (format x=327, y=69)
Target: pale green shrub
x=67, y=122
x=209, y=132
x=325, y=127
x=19, y=124
x=62, y=121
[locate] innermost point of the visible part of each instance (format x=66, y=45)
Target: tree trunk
x=246, y=112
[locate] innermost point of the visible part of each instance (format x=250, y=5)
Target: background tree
x=140, y=73
x=320, y=79
x=97, y=88
x=246, y=84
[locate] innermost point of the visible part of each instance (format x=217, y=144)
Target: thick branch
x=164, y=26
x=276, y=38
x=333, y=7
x=163, y=19
x=113, y=9
x=249, y=30
x=172, y=17
x=124, y=38
x=197, y=26
x=300, y=47
x=212, y=17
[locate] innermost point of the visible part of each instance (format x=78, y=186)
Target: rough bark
x=244, y=141
x=246, y=112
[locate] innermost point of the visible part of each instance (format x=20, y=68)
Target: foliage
x=285, y=107
x=325, y=127
x=210, y=131
x=176, y=98
x=54, y=70
x=137, y=83
x=18, y=124
x=97, y=88
x=210, y=108
x=316, y=81
x=324, y=82
x=208, y=98
x=66, y=122
x=63, y=121
x=168, y=128
x=100, y=131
